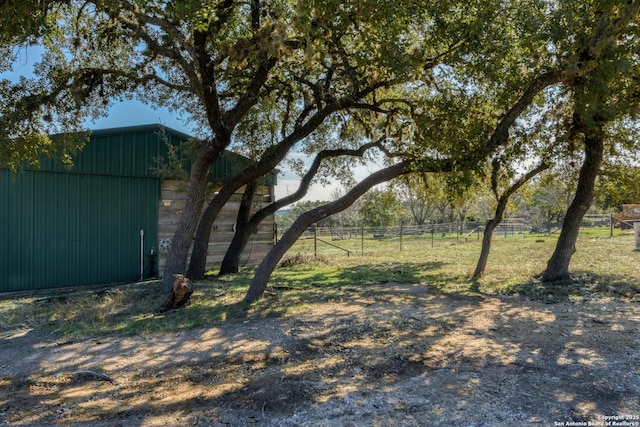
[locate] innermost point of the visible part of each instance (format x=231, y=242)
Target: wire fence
x=360, y=241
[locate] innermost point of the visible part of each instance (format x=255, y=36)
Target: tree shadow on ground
x=383, y=353
x=582, y=284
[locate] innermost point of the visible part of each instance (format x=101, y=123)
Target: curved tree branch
x=231, y=260
x=263, y=273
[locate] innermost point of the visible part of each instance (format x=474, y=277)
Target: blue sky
x=127, y=113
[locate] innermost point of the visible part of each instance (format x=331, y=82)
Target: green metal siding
x=132, y=151
x=68, y=227
x=63, y=229
x=120, y=152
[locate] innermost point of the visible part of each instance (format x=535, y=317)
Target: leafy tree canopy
x=381, y=208
x=24, y=22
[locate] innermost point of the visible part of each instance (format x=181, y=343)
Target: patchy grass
x=601, y=266
x=124, y=310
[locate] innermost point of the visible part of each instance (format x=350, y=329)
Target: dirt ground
x=390, y=355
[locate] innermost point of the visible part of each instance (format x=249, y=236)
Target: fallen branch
x=92, y=375
x=286, y=287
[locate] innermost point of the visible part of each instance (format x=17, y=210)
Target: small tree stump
x=180, y=293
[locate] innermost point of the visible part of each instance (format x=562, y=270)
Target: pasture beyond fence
x=361, y=241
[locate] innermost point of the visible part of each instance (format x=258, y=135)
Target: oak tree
x=606, y=94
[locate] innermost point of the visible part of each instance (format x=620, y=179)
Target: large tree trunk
x=181, y=242
x=231, y=262
x=493, y=223
x=269, y=263
x=487, y=237
x=198, y=262
x=558, y=265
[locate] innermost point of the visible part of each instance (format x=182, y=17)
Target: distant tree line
x=541, y=202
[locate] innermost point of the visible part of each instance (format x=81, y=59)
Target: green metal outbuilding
x=92, y=224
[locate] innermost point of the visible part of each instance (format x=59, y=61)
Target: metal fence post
x=433, y=230
x=315, y=240
x=141, y=255
x=610, y=225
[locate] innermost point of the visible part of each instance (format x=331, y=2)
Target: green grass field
x=601, y=266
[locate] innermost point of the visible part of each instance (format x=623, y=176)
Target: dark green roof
x=133, y=151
